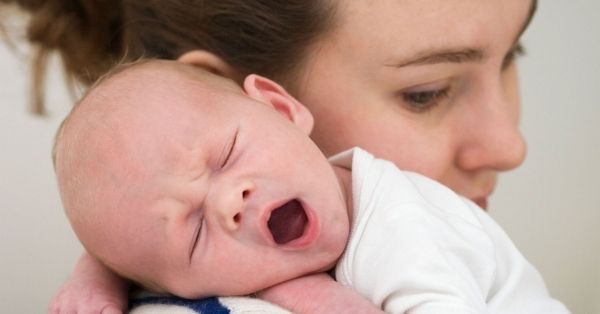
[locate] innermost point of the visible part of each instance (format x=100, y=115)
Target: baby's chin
x=329, y=252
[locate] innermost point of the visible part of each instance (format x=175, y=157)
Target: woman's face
x=430, y=85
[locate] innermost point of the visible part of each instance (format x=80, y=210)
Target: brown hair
x=268, y=37
x=84, y=32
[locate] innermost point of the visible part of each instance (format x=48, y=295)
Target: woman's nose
x=491, y=135
x=228, y=201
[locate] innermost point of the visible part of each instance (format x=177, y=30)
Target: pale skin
x=180, y=175
x=395, y=90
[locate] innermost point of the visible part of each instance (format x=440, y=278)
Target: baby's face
x=223, y=195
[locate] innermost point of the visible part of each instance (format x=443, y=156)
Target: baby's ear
x=271, y=93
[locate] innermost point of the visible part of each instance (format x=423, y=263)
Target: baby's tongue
x=287, y=222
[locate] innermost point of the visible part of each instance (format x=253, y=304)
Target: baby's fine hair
x=112, y=72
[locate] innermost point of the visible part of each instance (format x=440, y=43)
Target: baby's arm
x=92, y=288
x=317, y=293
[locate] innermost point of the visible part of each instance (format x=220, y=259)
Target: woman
x=431, y=86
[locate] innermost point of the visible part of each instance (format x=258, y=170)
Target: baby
x=186, y=183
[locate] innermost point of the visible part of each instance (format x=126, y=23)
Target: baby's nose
x=231, y=204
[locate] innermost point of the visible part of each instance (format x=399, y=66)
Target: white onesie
x=415, y=246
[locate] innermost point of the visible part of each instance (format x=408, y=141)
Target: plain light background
x=549, y=206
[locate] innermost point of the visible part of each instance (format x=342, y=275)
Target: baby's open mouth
x=287, y=222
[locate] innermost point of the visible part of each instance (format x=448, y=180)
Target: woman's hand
x=92, y=288
x=317, y=293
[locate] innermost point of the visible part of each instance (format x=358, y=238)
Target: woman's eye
x=514, y=53
x=424, y=100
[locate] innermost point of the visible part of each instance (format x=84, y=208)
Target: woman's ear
x=210, y=62
x=272, y=94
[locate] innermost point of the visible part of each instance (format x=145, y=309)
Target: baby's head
x=186, y=183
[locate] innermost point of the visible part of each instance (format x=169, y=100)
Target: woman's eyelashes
x=517, y=51
x=425, y=97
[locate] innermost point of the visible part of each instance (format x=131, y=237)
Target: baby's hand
x=317, y=293
x=77, y=298
x=92, y=288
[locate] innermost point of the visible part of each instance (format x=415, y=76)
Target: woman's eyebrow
x=459, y=55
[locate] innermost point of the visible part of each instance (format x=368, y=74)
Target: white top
x=416, y=246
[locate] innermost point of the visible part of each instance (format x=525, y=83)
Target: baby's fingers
x=112, y=309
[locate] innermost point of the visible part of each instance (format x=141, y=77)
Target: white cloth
x=417, y=247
